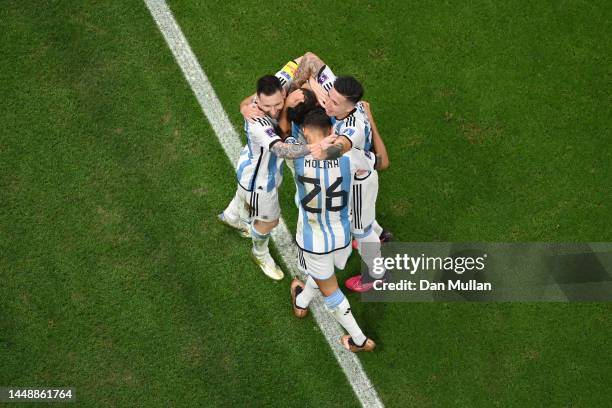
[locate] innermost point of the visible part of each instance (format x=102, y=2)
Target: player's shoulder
x=355, y=119
x=263, y=122
x=360, y=113
x=263, y=127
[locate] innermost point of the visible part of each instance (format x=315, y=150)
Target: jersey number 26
x=330, y=193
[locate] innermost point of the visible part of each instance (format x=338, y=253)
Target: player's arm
x=308, y=67
x=249, y=108
x=320, y=93
x=378, y=146
x=292, y=100
x=286, y=75
x=294, y=151
x=344, y=139
x=264, y=135
x=335, y=148
x=283, y=123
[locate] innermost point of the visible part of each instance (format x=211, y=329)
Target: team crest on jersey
x=270, y=132
x=349, y=132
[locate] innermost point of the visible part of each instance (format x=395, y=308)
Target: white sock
x=369, y=249
x=377, y=228
x=339, y=306
x=305, y=297
x=260, y=242
x=233, y=211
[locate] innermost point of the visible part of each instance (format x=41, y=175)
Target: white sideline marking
x=231, y=143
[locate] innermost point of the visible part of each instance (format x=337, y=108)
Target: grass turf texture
x=116, y=280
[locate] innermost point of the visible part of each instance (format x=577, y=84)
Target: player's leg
x=340, y=308
x=320, y=270
x=368, y=243
x=265, y=211
x=377, y=228
x=369, y=250
x=383, y=234
x=302, y=293
x=369, y=193
x=236, y=215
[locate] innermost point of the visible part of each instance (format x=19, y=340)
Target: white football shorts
x=260, y=204
x=321, y=266
x=363, y=204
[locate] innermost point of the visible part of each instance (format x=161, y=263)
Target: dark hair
x=317, y=119
x=268, y=85
x=349, y=87
x=297, y=113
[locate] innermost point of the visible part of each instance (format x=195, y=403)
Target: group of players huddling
x=318, y=124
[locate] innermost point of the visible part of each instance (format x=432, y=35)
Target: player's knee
x=265, y=227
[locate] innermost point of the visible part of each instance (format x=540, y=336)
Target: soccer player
x=324, y=227
x=341, y=97
x=258, y=170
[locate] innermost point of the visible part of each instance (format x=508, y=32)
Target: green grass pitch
x=116, y=280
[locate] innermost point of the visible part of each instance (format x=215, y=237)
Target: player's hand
x=316, y=150
x=251, y=111
x=319, y=92
x=294, y=98
x=328, y=140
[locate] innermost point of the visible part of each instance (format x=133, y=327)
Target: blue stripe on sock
x=257, y=234
x=332, y=301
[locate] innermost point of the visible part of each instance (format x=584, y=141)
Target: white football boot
x=268, y=266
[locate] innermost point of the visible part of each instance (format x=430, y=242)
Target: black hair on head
x=297, y=113
x=317, y=119
x=268, y=85
x=349, y=87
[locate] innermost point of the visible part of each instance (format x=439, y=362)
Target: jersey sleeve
x=286, y=74
x=263, y=134
x=326, y=78
x=353, y=129
x=361, y=160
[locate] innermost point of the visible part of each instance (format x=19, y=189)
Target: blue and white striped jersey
x=324, y=190
x=297, y=133
x=356, y=126
x=258, y=168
